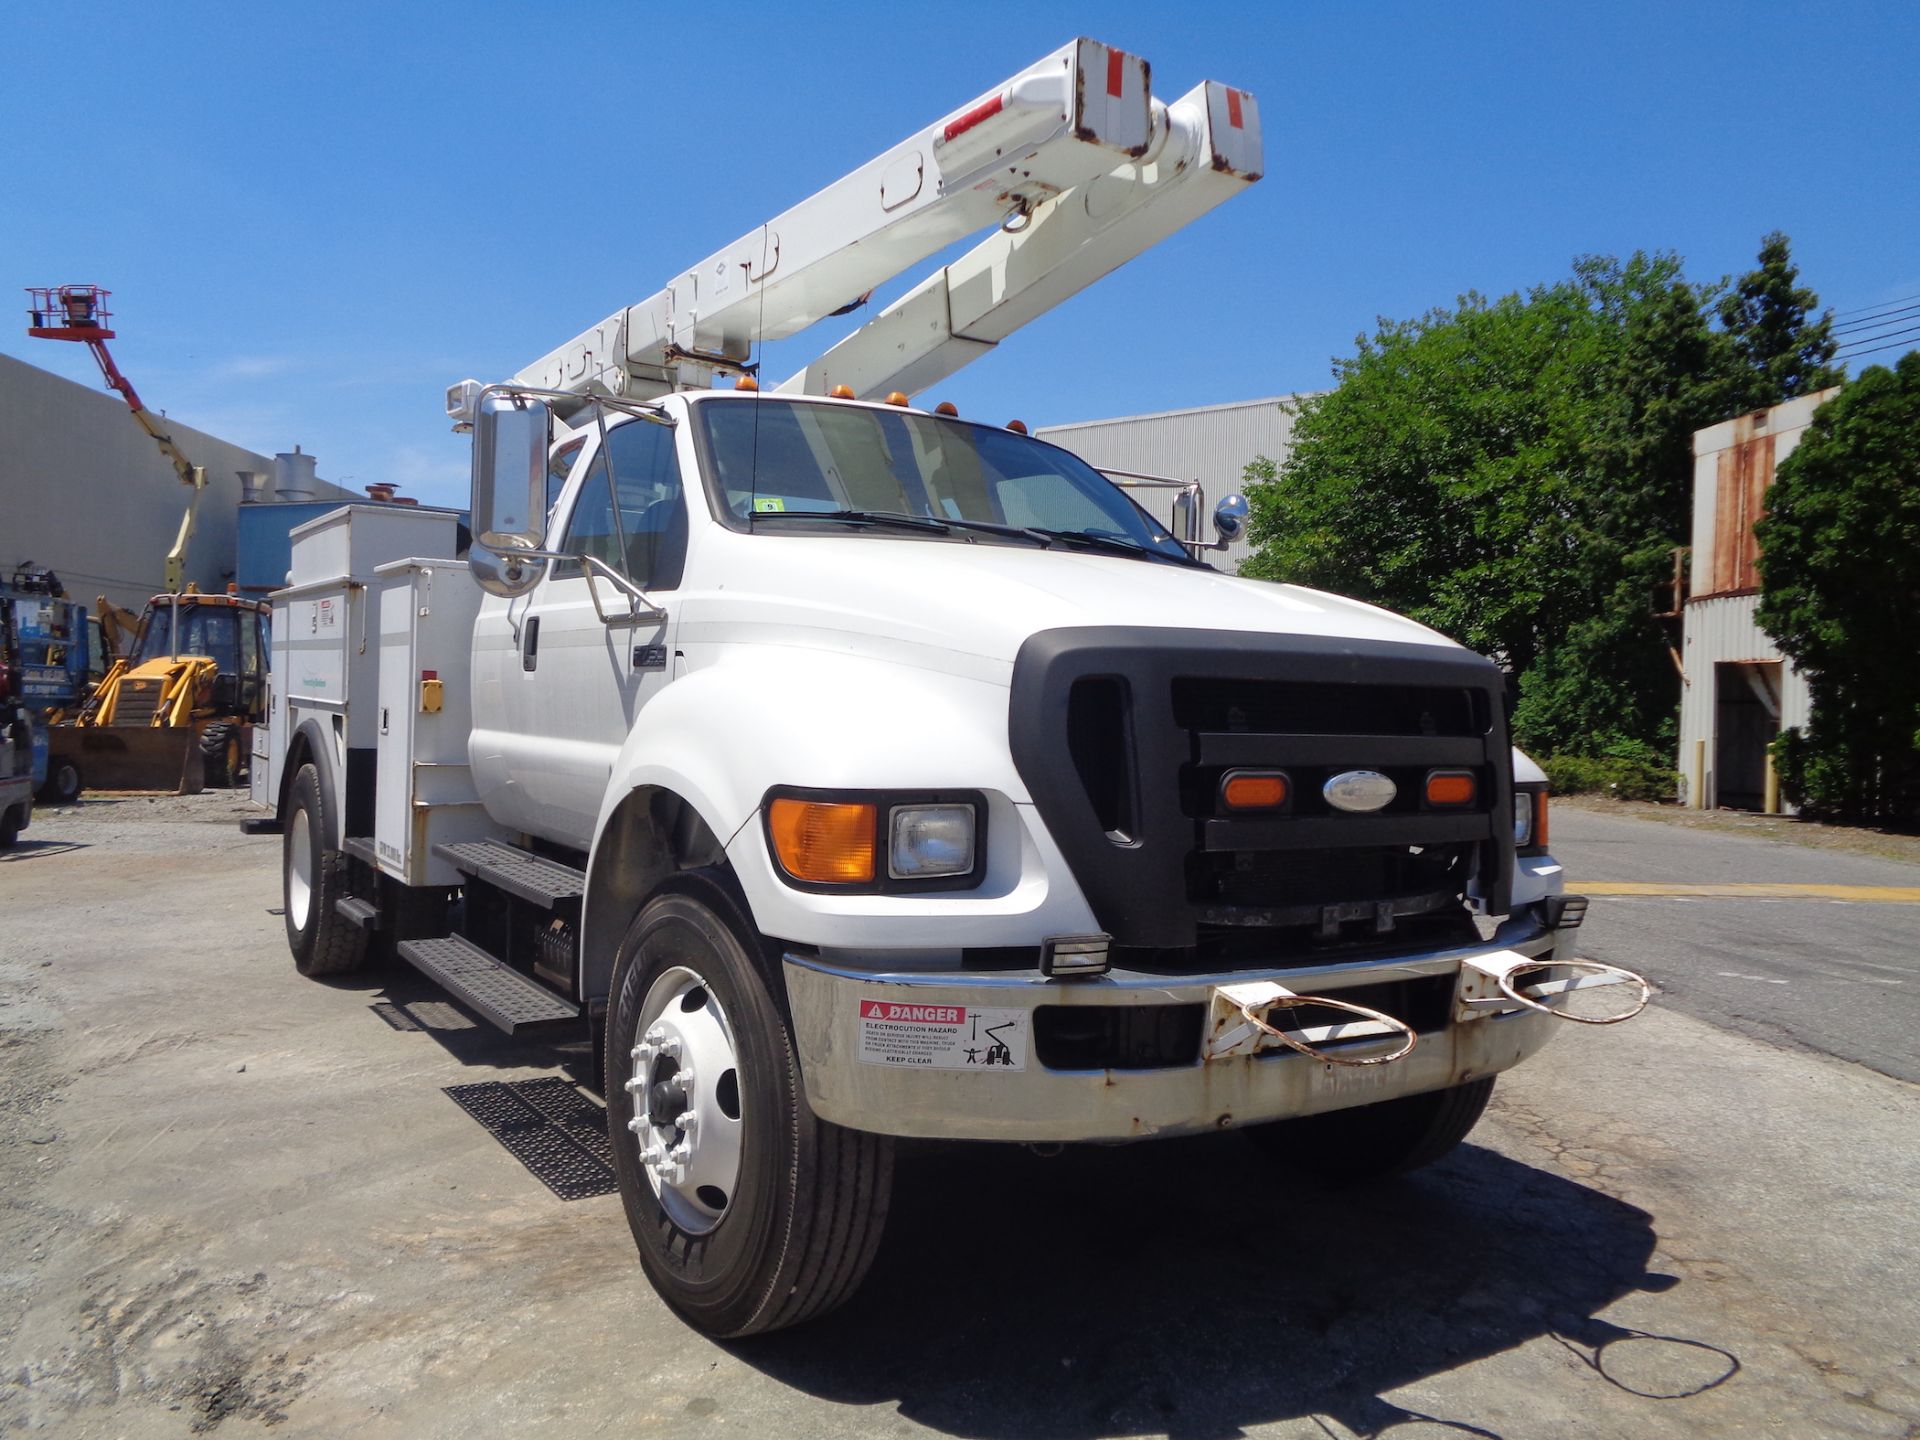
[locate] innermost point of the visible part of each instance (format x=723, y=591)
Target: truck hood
x=984, y=600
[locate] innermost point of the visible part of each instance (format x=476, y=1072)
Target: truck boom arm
x=1206, y=149
x=1076, y=134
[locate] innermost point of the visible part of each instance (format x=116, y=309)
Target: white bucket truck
x=853, y=771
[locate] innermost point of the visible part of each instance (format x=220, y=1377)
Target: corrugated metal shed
x=1213, y=444
x=1739, y=691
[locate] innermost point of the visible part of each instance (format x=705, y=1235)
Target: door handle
x=530, y=643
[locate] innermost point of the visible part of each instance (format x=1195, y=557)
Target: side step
x=357, y=912
x=497, y=993
x=518, y=872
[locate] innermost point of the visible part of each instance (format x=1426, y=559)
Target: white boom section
x=1206, y=148
x=1055, y=125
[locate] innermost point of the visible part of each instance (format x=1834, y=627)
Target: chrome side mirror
x=1230, y=518
x=511, y=434
x=510, y=438
x=506, y=573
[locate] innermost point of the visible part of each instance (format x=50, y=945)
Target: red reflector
x=1116, y=69
x=1233, y=110
x=429, y=674
x=984, y=110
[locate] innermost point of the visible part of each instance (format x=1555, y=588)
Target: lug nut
x=635, y=1085
x=683, y=1079
x=643, y=1052
x=636, y=1125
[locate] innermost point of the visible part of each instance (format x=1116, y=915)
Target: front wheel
x=750, y=1213
x=314, y=877
x=1369, y=1142
x=222, y=753
x=64, y=782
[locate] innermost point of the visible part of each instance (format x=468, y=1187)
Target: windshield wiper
x=895, y=518
x=1112, y=544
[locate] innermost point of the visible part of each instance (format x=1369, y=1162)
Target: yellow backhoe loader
x=177, y=711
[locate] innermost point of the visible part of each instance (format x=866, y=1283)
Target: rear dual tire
x=771, y=1216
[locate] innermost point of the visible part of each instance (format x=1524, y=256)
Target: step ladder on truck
x=849, y=771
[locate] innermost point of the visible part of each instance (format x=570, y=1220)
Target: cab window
x=639, y=525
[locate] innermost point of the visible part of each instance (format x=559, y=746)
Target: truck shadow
x=1193, y=1288
x=40, y=850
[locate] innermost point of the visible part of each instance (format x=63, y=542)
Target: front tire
x=64, y=782
x=1370, y=1142
x=9, y=826
x=314, y=875
x=750, y=1213
x=222, y=754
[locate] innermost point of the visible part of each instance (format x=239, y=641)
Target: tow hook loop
x=1241, y=1023
x=1506, y=978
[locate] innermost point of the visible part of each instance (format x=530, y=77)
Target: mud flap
x=1506, y=980
x=1240, y=1022
x=134, y=757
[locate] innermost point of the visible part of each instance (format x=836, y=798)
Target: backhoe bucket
x=134, y=757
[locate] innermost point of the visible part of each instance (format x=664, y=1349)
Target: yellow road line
x=1871, y=894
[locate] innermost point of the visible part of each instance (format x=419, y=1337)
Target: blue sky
x=315, y=217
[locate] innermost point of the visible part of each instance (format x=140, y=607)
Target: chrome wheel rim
x=299, y=871
x=686, y=1100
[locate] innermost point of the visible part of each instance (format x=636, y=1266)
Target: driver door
x=570, y=683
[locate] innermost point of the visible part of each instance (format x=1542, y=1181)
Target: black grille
x=1311, y=875
x=1124, y=737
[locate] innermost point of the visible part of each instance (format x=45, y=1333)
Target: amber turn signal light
x=823, y=843
x=1254, y=790
x=1451, y=788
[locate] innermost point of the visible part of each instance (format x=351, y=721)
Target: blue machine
x=55, y=648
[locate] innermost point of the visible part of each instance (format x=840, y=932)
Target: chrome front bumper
x=894, y=1051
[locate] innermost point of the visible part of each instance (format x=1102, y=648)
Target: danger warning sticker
x=942, y=1037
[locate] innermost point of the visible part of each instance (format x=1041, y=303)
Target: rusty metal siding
x=1743, y=474
x=1213, y=445
x=1724, y=628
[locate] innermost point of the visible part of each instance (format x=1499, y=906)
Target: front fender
x=722, y=735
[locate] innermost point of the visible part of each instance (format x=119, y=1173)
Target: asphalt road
x=1839, y=976
x=233, y=1201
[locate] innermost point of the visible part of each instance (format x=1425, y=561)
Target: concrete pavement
x=1838, y=975
x=240, y=1202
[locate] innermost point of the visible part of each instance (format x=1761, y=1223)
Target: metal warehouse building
x=1213, y=444
x=84, y=491
x=1738, y=690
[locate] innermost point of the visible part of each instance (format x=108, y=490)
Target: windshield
x=777, y=457
x=201, y=630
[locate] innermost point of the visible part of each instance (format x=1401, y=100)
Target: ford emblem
x=1359, y=792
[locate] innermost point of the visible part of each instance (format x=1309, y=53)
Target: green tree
x=1780, y=351
x=1516, y=473
x=1840, y=578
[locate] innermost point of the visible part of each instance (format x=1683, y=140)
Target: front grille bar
x=1269, y=748
x=1344, y=832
